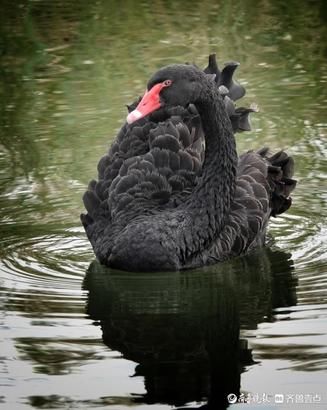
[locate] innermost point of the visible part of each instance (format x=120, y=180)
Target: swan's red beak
x=149, y=103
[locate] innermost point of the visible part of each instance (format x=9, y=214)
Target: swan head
x=173, y=85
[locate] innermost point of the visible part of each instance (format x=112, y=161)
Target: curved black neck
x=209, y=203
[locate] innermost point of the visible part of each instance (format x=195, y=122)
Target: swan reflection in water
x=183, y=329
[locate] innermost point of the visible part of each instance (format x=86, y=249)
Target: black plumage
x=171, y=192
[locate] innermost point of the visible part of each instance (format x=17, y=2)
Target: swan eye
x=167, y=83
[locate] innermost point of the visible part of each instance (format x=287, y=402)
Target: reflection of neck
x=223, y=346
x=210, y=201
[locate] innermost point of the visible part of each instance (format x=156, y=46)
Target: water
x=75, y=335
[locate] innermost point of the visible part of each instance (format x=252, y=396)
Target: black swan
x=172, y=193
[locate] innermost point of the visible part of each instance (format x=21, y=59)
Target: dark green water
x=255, y=325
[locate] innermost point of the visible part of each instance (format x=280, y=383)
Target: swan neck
x=215, y=188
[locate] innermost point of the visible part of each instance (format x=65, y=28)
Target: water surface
x=76, y=335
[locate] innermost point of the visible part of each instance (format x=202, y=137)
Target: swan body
x=172, y=193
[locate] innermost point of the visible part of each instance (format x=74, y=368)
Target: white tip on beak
x=133, y=116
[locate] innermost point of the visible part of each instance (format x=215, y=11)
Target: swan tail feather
x=225, y=78
x=231, y=90
x=280, y=173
